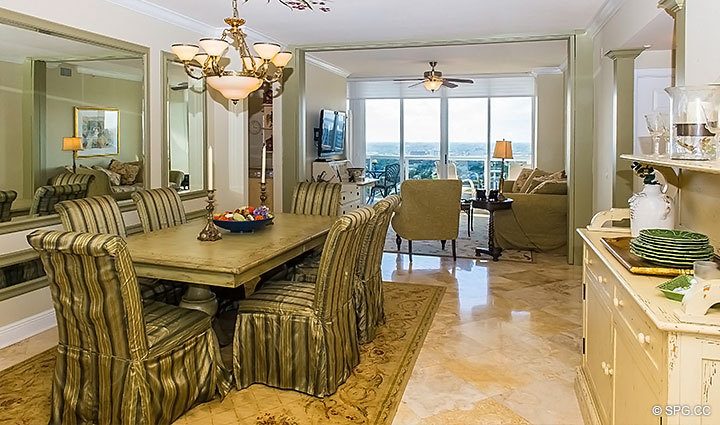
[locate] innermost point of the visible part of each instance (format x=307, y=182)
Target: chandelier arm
x=189, y=72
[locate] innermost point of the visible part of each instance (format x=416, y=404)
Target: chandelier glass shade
x=207, y=59
x=432, y=84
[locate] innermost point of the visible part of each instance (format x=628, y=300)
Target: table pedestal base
x=201, y=298
x=495, y=252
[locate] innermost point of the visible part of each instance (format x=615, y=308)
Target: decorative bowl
x=675, y=289
x=242, y=226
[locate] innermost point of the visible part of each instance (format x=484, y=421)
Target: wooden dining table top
x=236, y=259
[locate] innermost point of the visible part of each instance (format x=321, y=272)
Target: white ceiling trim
x=546, y=70
x=327, y=66
x=469, y=76
x=166, y=15
x=606, y=12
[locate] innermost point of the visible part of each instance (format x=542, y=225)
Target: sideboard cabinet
x=640, y=364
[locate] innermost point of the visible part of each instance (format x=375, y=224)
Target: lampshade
x=282, y=59
x=234, y=87
x=267, y=50
x=214, y=46
x=503, y=149
x=185, y=52
x=432, y=85
x=72, y=144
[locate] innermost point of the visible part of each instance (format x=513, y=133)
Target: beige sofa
x=101, y=184
x=536, y=222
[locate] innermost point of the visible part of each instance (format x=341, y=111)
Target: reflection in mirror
x=185, y=103
x=66, y=102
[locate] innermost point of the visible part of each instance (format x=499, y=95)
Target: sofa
x=536, y=221
x=104, y=184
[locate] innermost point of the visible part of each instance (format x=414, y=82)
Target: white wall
x=323, y=90
x=550, y=138
x=114, y=21
x=623, y=31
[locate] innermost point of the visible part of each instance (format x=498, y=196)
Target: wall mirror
x=73, y=110
x=185, y=128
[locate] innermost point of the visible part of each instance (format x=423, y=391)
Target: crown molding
x=165, y=15
x=327, y=66
x=672, y=7
x=625, y=53
x=548, y=70
x=603, y=16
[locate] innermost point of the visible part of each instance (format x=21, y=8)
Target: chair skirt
x=295, y=350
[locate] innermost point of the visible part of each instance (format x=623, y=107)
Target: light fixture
x=502, y=151
x=73, y=144
x=264, y=67
x=433, y=84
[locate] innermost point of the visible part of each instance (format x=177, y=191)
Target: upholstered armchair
x=101, y=214
x=175, y=179
x=303, y=335
x=119, y=361
x=430, y=210
x=316, y=198
x=7, y=197
x=159, y=208
x=46, y=197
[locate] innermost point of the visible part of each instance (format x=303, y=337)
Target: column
x=623, y=118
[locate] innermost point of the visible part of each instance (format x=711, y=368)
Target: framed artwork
x=98, y=129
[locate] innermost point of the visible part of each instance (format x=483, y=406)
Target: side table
x=466, y=206
x=491, y=207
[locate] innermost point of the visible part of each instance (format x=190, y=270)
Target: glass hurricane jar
x=690, y=122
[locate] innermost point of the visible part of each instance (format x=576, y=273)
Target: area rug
x=370, y=396
x=465, y=244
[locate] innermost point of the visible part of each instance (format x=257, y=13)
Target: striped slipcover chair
x=119, y=361
x=6, y=199
x=101, y=214
x=72, y=178
x=368, y=290
x=159, y=208
x=316, y=198
x=303, y=335
x=46, y=197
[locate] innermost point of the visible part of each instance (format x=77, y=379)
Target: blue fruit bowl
x=242, y=226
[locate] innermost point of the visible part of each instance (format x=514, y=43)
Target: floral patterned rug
x=370, y=396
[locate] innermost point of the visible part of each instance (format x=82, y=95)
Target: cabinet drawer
x=347, y=196
x=649, y=341
x=597, y=274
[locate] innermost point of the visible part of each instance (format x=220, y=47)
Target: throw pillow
x=558, y=175
x=114, y=177
x=536, y=173
x=551, y=187
x=521, y=179
x=128, y=172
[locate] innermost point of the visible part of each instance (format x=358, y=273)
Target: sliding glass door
x=422, y=147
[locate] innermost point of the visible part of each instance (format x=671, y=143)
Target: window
x=467, y=137
x=421, y=130
x=382, y=133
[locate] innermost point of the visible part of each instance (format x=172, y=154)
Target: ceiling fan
x=433, y=80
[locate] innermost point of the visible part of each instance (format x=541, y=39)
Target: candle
x=210, y=168
x=264, y=163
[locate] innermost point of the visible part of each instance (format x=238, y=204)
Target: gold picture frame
x=99, y=129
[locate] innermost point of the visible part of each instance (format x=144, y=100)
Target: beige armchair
x=430, y=210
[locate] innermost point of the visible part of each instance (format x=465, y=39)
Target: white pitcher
x=651, y=209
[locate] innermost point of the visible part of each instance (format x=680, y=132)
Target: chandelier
x=265, y=66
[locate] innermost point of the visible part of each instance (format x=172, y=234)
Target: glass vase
x=690, y=135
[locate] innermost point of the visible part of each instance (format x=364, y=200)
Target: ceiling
x=357, y=21
x=501, y=58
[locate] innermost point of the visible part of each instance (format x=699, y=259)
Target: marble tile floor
x=502, y=349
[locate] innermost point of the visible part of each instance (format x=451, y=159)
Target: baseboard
x=23, y=329
x=585, y=399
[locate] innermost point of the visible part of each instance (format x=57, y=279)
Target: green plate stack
x=672, y=248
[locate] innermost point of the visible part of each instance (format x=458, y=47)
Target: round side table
x=491, y=207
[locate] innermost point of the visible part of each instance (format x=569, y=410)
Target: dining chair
x=46, y=197
x=119, y=361
x=368, y=286
x=7, y=197
x=101, y=214
x=159, y=208
x=303, y=335
x=389, y=180
x=430, y=210
x=316, y=198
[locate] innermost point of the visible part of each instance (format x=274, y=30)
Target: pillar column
x=623, y=119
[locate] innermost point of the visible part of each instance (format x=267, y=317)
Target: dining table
x=238, y=259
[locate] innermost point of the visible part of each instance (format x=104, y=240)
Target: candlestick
x=263, y=193
x=264, y=163
x=210, y=169
x=210, y=233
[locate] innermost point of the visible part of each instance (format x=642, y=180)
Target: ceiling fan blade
x=403, y=80
x=448, y=84
x=460, y=80
x=416, y=84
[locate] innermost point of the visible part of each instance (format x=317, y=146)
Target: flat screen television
x=330, y=137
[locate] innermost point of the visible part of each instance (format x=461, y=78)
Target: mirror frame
x=193, y=194
x=31, y=23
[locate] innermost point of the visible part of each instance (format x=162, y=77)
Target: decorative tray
x=620, y=249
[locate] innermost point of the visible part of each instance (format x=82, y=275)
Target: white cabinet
x=352, y=195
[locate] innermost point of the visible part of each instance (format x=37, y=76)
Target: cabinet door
x=635, y=394
x=599, y=349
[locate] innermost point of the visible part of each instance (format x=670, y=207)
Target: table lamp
x=503, y=151
x=73, y=144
